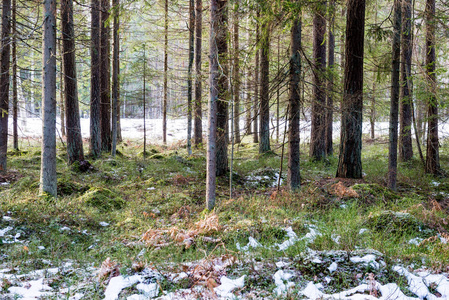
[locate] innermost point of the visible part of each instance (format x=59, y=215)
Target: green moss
x=373, y=192
x=102, y=199
x=398, y=223
x=157, y=156
x=68, y=187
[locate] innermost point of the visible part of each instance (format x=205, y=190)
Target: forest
x=224, y=149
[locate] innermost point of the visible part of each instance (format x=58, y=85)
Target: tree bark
x=236, y=75
x=264, y=130
x=74, y=139
x=164, y=104
x=329, y=149
x=211, y=167
x=189, y=74
x=48, y=179
x=198, y=133
x=223, y=95
x=405, y=137
x=4, y=82
x=433, y=157
x=95, y=91
x=317, y=135
x=105, y=80
x=115, y=77
x=14, y=78
x=293, y=173
x=350, y=158
x=256, y=82
x=394, y=102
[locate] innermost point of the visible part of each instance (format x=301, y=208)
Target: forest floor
x=134, y=228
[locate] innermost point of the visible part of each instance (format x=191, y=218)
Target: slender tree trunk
x=236, y=74
x=164, y=104
x=198, y=133
x=223, y=95
x=256, y=82
x=264, y=131
x=330, y=83
x=95, y=91
x=350, y=158
x=115, y=77
x=293, y=175
x=14, y=78
x=405, y=137
x=4, y=82
x=215, y=36
x=433, y=157
x=372, y=115
x=278, y=90
x=61, y=90
x=144, y=92
x=74, y=139
x=105, y=80
x=189, y=75
x=317, y=137
x=394, y=104
x=48, y=180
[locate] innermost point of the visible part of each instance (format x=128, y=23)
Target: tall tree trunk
x=394, y=102
x=115, y=77
x=236, y=75
x=329, y=149
x=317, y=135
x=4, y=82
x=278, y=90
x=48, y=180
x=405, y=137
x=264, y=130
x=256, y=82
x=350, y=158
x=14, y=78
x=433, y=157
x=372, y=114
x=293, y=175
x=198, y=133
x=95, y=91
x=164, y=104
x=216, y=37
x=74, y=139
x=105, y=80
x=189, y=75
x=223, y=95
x=61, y=90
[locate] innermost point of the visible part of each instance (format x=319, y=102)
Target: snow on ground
x=177, y=129
x=423, y=284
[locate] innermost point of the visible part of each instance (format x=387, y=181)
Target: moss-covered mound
x=374, y=192
x=102, y=199
x=67, y=187
x=397, y=223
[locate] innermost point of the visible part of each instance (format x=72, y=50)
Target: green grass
x=134, y=195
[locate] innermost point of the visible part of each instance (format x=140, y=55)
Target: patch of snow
x=117, y=284
x=149, y=290
x=5, y=230
x=363, y=230
x=292, y=238
x=151, y=188
x=312, y=292
x=104, y=224
x=441, y=281
x=281, y=280
x=281, y=264
x=416, y=284
x=136, y=297
x=333, y=267
x=316, y=260
x=65, y=228
x=336, y=238
x=368, y=259
x=416, y=241
x=77, y=296
x=252, y=243
x=33, y=289
x=228, y=285
x=435, y=183
x=6, y=218
x=41, y=247
x=180, y=276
